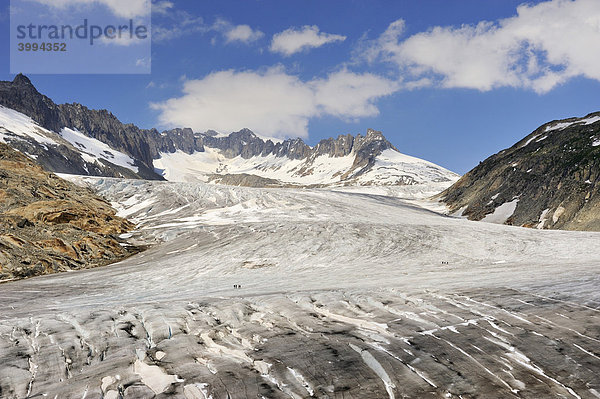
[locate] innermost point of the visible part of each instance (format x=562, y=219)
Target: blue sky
x=448, y=81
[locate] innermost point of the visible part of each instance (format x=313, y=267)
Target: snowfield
x=350, y=293
x=13, y=125
x=391, y=168
x=93, y=149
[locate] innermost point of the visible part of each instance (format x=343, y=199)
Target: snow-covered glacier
x=390, y=168
x=342, y=294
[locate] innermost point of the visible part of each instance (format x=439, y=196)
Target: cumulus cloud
x=271, y=102
x=236, y=33
x=295, y=40
x=125, y=9
x=542, y=46
x=349, y=95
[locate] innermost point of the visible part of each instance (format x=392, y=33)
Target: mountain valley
x=273, y=269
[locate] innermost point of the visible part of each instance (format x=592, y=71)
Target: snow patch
x=93, y=149
x=530, y=140
x=459, y=213
x=377, y=368
x=557, y=214
x=391, y=168
x=564, y=125
x=543, y=219
x=133, y=205
x=13, y=123
x=502, y=212
x=154, y=377
x=300, y=378
x=197, y=391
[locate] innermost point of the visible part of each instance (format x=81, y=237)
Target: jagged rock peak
x=244, y=133
x=373, y=134
x=21, y=80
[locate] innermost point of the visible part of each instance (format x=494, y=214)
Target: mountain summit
x=73, y=139
x=22, y=80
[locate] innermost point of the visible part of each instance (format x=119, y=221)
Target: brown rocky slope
x=48, y=225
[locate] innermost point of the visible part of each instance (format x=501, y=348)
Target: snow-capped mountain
x=31, y=123
x=549, y=179
x=72, y=139
x=66, y=151
x=243, y=158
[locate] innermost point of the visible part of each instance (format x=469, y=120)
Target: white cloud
x=271, y=102
x=143, y=62
x=346, y=94
x=295, y=40
x=242, y=33
x=121, y=8
x=153, y=85
x=541, y=47
x=236, y=33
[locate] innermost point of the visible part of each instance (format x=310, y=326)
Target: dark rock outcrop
x=554, y=173
x=245, y=180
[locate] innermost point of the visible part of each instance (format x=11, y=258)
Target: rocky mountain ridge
x=548, y=180
x=145, y=146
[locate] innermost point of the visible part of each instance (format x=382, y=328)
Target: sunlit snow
x=502, y=212
x=563, y=125
x=96, y=149
x=13, y=123
x=391, y=168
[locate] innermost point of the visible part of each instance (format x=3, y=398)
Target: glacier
x=344, y=293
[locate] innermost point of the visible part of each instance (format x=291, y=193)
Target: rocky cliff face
x=50, y=225
x=549, y=180
x=142, y=145
x=20, y=95
x=247, y=145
